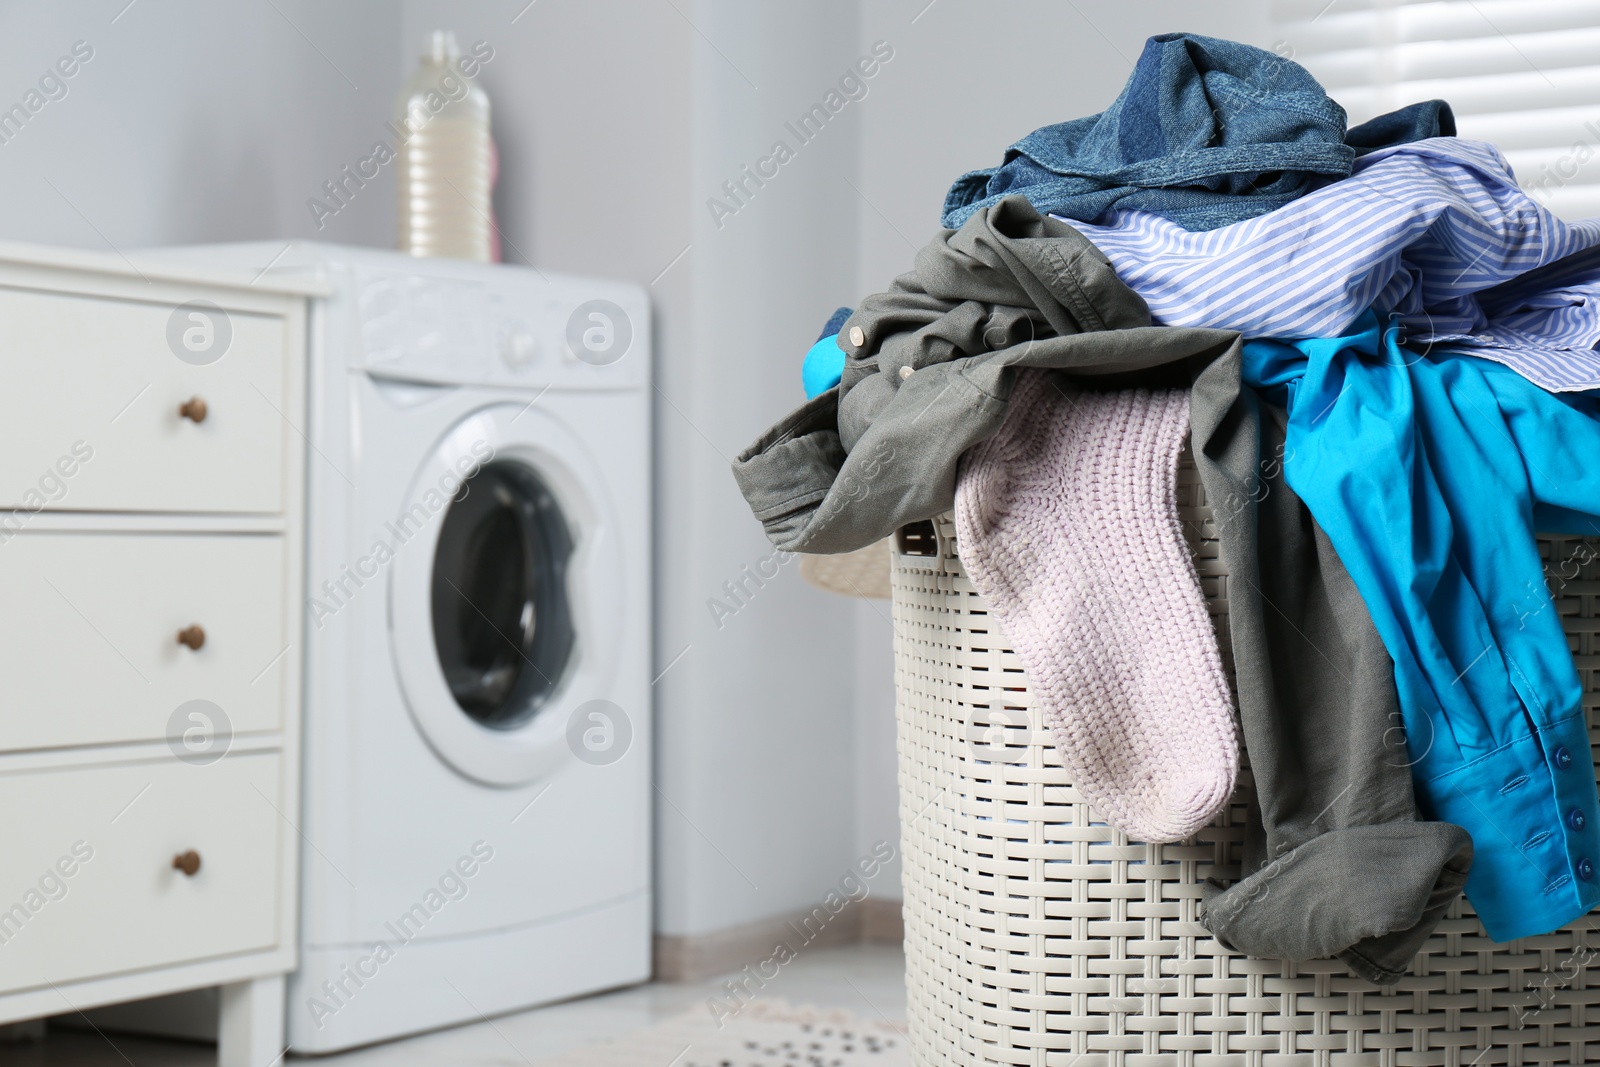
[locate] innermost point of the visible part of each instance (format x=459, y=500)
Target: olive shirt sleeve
x=929, y=369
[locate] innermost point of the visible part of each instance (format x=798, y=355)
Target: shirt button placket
x=1583, y=867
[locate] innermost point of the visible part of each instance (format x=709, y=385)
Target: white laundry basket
x=1037, y=935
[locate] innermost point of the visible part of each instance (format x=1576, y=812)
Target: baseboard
x=882, y=922
x=693, y=957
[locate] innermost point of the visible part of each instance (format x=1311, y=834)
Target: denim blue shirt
x=1206, y=132
x=1430, y=475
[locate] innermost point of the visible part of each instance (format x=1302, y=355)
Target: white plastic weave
x=1037, y=935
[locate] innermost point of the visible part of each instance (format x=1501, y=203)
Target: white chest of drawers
x=151, y=474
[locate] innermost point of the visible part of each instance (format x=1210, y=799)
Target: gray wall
x=758, y=727
x=195, y=121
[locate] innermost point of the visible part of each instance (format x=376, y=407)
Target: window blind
x=1524, y=74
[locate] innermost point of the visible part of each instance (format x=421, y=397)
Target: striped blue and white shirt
x=1434, y=234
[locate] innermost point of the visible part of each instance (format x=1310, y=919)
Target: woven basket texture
x=1037, y=935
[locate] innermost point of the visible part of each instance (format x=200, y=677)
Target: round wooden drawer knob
x=193, y=409
x=187, y=862
x=192, y=636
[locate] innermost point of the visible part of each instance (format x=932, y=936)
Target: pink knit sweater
x=1067, y=525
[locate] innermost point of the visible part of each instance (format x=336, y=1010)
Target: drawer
x=88, y=887
x=89, y=641
x=89, y=395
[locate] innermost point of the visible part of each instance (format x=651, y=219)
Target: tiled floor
x=867, y=980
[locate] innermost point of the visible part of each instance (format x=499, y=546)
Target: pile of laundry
x=1382, y=356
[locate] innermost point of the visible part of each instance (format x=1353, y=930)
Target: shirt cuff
x=1533, y=811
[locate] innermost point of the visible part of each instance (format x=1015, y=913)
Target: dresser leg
x=250, y=1028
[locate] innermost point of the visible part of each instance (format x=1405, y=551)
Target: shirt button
x=1575, y=819
x=1585, y=869
x=857, y=338
x=1563, y=758
x=905, y=372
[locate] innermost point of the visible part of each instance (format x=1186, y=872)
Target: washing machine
x=476, y=831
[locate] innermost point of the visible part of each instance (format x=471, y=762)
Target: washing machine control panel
x=502, y=326
x=517, y=345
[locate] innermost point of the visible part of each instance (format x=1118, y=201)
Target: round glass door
x=502, y=623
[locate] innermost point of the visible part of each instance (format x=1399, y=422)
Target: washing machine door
x=504, y=610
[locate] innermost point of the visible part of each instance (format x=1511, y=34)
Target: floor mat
x=762, y=1035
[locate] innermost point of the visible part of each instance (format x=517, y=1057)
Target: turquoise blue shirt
x=822, y=366
x=1430, y=475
